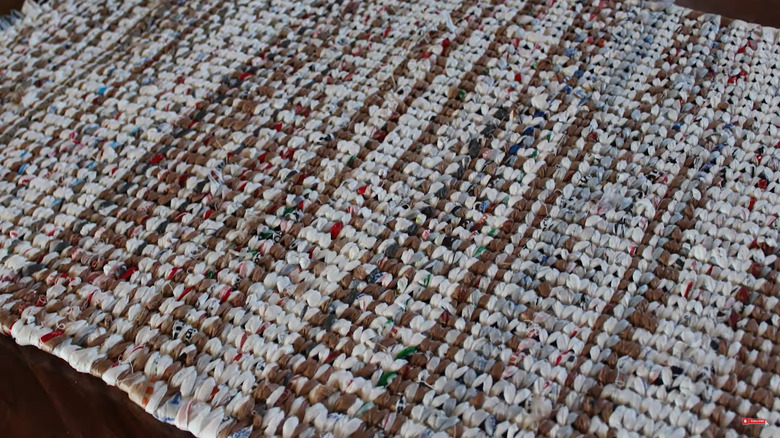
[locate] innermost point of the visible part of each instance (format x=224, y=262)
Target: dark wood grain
x=42, y=396
x=7, y=6
x=765, y=12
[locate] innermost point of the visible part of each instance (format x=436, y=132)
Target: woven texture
x=398, y=218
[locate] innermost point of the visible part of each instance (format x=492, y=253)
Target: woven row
x=398, y=218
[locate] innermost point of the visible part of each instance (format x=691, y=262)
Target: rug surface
x=398, y=218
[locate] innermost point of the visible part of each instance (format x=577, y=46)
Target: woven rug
x=398, y=218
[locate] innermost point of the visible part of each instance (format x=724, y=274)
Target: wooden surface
x=41, y=396
x=7, y=5
x=766, y=12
